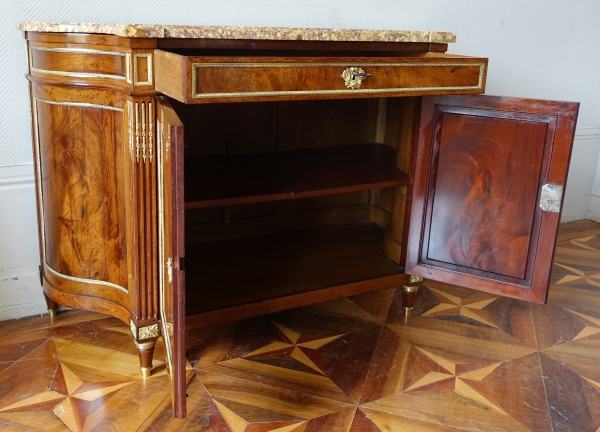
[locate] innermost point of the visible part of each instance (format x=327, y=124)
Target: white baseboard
x=21, y=296
x=570, y=217
x=595, y=208
x=23, y=310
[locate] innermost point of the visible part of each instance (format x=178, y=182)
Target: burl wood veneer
x=189, y=176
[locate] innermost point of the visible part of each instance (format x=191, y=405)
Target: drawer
x=193, y=79
x=91, y=65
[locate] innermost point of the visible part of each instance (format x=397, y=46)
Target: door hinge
x=551, y=197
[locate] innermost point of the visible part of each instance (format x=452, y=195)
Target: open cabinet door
x=172, y=247
x=488, y=188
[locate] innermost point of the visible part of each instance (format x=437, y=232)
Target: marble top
x=224, y=32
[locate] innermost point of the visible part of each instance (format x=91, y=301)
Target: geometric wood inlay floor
x=465, y=361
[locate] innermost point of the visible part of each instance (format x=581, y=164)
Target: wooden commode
x=189, y=176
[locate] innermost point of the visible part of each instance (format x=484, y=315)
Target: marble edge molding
x=227, y=32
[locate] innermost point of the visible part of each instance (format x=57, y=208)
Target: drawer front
x=213, y=78
x=110, y=66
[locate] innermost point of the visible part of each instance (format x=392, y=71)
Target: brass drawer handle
x=353, y=77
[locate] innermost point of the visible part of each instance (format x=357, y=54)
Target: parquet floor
x=465, y=361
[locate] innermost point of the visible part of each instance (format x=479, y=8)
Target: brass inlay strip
x=196, y=66
x=78, y=51
x=148, y=57
x=130, y=127
x=38, y=163
x=80, y=104
x=75, y=74
x=150, y=123
x=128, y=68
x=161, y=242
x=144, y=132
x=87, y=281
x=137, y=133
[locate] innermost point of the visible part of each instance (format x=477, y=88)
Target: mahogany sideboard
x=188, y=176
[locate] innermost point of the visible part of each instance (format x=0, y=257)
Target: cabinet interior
x=283, y=198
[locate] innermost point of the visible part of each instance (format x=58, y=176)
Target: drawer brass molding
x=196, y=66
x=551, y=197
x=77, y=74
x=136, y=78
x=40, y=197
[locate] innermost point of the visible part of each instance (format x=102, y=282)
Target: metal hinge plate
x=551, y=197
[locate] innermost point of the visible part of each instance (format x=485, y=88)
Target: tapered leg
x=409, y=292
x=52, y=306
x=145, y=351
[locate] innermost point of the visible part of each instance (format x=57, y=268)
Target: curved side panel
x=85, y=302
x=80, y=158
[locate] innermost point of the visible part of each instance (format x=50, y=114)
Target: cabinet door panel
x=171, y=247
x=482, y=163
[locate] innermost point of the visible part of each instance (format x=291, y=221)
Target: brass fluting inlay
x=137, y=133
x=150, y=123
x=130, y=127
x=144, y=132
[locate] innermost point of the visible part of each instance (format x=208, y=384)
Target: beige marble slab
x=223, y=32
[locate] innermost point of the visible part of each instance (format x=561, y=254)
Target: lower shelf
x=288, y=266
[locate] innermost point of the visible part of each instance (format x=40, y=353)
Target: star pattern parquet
x=465, y=361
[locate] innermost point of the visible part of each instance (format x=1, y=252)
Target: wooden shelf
x=283, y=266
x=227, y=180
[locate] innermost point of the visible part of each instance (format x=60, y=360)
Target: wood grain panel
x=487, y=172
x=475, y=218
x=83, y=191
x=77, y=60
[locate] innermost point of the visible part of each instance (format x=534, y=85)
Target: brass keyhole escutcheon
x=353, y=77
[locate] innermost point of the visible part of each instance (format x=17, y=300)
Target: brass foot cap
x=146, y=371
x=407, y=311
x=410, y=288
x=52, y=313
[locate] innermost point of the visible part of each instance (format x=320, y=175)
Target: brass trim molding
x=80, y=104
x=75, y=74
x=148, y=57
x=79, y=51
x=196, y=66
x=82, y=280
x=167, y=328
x=40, y=197
x=128, y=68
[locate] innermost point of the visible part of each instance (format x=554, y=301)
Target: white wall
x=539, y=49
